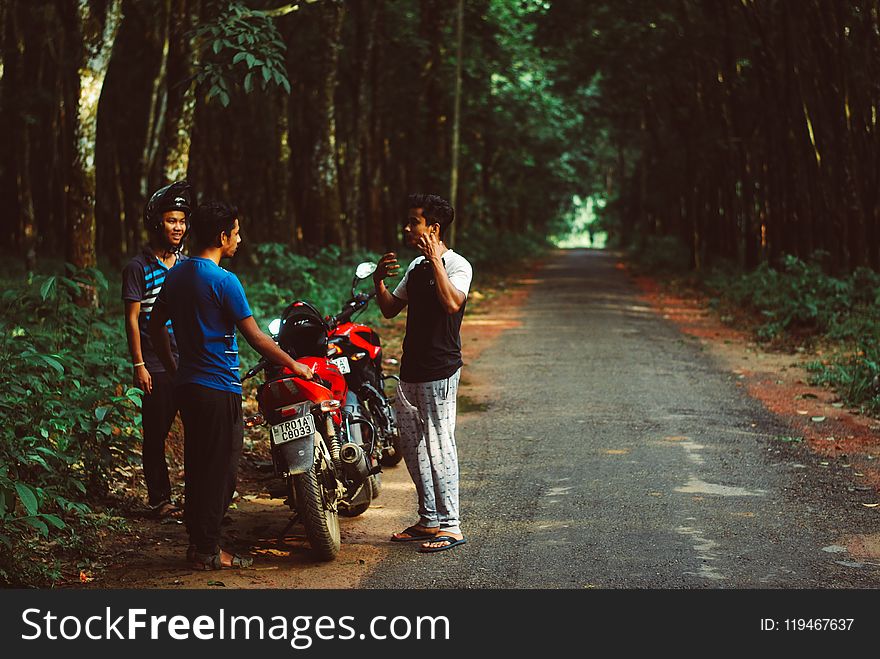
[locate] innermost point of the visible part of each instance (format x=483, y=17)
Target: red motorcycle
x=357, y=350
x=315, y=439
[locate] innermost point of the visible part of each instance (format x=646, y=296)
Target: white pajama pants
x=426, y=419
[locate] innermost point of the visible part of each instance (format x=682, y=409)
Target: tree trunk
x=376, y=182
x=360, y=140
x=456, y=119
x=182, y=64
x=329, y=227
x=14, y=78
x=98, y=34
x=158, y=108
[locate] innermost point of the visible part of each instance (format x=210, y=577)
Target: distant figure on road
x=435, y=286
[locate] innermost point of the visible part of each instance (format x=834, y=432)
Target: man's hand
x=387, y=267
x=429, y=245
x=142, y=379
x=303, y=371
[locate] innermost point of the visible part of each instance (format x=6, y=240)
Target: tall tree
x=328, y=224
x=181, y=93
x=456, y=113
x=97, y=27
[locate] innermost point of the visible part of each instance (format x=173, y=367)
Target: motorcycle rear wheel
x=321, y=521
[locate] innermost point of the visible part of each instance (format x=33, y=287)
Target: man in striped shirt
x=165, y=218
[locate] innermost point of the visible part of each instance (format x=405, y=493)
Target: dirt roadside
x=151, y=553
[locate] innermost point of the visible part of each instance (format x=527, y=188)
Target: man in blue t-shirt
x=206, y=304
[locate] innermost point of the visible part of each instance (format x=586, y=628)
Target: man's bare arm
x=387, y=301
x=450, y=297
x=263, y=344
x=159, y=336
x=141, y=377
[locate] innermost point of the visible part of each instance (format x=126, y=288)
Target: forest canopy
x=741, y=130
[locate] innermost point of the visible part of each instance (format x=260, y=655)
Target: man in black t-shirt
x=435, y=288
x=165, y=218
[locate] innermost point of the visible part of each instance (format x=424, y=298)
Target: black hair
x=435, y=209
x=210, y=220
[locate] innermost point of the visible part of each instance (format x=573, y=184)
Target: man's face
x=229, y=242
x=416, y=225
x=173, y=227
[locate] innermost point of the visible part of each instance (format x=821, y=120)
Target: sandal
x=414, y=532
x=166, y=510
x=449, y=541
x=215, y=561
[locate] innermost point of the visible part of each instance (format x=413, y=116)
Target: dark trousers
x=157, y=413
x=213, y=433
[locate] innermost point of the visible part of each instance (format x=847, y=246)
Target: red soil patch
x=780, y=382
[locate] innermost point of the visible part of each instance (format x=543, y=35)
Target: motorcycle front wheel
x=376, y=484
x=391, y=459
x=359, y=502
x=317, y=514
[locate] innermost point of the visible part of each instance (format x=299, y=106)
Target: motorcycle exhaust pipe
x=354, y=462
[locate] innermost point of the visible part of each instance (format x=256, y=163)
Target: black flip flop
x=451, y=542
x=414, y=534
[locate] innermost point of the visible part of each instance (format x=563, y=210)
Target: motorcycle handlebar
x=263, y=363
x=356, y=303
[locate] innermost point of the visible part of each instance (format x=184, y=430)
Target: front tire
x=359, y=502
x=317, y=513
x=391, y=459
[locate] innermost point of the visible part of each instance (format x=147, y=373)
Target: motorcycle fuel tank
x=361, y=336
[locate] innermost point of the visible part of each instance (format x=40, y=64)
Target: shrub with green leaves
x=488, y=250
x=67, y=421
x=798, y=301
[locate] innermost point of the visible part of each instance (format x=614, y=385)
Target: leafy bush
x=797, y=301
x=489, y=250
x=67, y=422
x=662, y=254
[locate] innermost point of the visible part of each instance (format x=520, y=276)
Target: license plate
x=342, y=364
x=287, y=431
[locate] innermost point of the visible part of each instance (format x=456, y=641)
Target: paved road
x=615, y=453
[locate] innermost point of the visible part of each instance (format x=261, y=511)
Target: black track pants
x=213, y=434
x=157, y=415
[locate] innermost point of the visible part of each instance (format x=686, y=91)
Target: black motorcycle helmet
x=303, y=331
x=177, y=196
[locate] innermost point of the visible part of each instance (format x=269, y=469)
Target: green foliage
x=240, y=36
x=853, y=374
x=797, y=297
x=67, y=422
x=661, y=254
x=489, y=250
x=798, y=301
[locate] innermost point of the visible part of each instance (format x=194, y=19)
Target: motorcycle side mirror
x=365, y=269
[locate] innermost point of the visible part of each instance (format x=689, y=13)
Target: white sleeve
x=460, y=275
x=400, y=290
